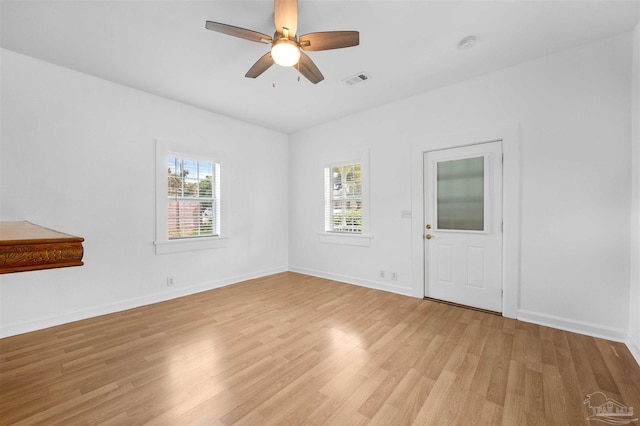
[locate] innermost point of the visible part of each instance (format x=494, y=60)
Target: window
x=460, y=194
x=343, y=198
x=190, y=214
x=346, y=217
x=193, y=192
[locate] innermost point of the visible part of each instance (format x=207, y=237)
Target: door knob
x=429, y=236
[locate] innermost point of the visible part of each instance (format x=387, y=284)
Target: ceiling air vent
x=358, y=78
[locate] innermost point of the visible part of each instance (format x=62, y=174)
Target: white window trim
x=162, y=242
x=364, y=238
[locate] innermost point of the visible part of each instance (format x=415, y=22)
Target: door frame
x=511, y=206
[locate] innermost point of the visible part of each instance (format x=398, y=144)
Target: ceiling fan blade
x=309, y=69
x=238, y=32
x=286, y=16
x=329, y=40
x=260, y=66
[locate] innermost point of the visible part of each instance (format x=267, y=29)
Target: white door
x=463, y=225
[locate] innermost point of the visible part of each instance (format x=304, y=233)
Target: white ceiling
x=407, y=47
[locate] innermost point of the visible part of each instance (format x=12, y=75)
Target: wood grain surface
x=294, y=349
x=25, y=246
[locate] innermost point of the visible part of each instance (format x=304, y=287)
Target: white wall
x=634, y=295
x=68, y=137
x=572, y=110
x=78, y=156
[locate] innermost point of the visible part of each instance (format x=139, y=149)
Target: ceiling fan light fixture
x=285, y=52
x=286, y=48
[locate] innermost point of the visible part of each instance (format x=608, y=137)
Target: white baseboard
x=354, y=280
x=575, y=326
x=634, y=348
x=38, y=324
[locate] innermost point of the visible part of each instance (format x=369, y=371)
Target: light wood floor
x=293, y=349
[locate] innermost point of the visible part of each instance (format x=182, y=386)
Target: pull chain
x=273, y=82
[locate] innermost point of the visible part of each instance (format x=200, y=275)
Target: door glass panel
x=460, y=194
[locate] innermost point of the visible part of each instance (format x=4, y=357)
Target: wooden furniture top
x=25, y=246
x=23, y=232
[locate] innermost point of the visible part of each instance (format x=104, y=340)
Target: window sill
x=360, y=240
x=190, y=244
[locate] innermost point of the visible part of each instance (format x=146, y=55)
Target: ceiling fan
x=286, y=48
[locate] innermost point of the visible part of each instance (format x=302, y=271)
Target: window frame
x=190, y=150
x=362, y=238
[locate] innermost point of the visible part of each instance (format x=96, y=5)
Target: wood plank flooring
x=294, y=349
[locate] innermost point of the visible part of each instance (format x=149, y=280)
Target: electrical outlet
x=394, y=276
x=170, y=282
x=381, y=274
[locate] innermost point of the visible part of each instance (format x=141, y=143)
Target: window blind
x=193, y=198
x=343, y=198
